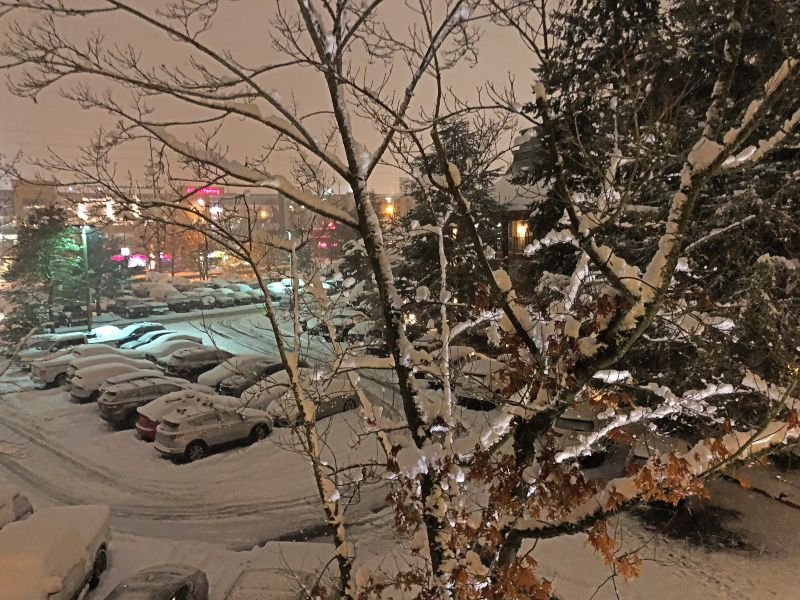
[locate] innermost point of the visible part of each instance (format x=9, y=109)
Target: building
x=28, y=196
x=6, y=200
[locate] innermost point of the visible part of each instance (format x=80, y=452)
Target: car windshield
x=44, y=345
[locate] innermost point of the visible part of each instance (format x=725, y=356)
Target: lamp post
x=85, y=250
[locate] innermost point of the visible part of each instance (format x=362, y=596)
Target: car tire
x=259, y=432
x=195, y=451
x=60, y=380
x=98, y=568
x=349, y=404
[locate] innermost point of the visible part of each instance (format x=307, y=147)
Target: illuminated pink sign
x=208, y=191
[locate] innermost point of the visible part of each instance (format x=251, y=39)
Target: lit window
x=389, y=210
x=521, y=228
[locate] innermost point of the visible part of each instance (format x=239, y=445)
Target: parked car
x=330, y=397
x=76, y=364
x=161, y=348
x=135, y=330
x=191, y=362
x=188, y=433
x=579, y=420
x=179, y=302
x=120, y=396
x=164, y=582
x=54, y=553
x=343, y=320
x=235, y=384
x=200, y=300
x=130, y=307
x=479, y=383
x=146, y=338
x=48, y=347
x=156, y=307
x=149, y=415
x=72, y=314
x=86, y=383
x=55, y=371
x=14, y=505
x=222, y=299
x=233, y=366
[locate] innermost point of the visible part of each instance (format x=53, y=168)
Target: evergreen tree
x=105, y=277
x=632, y=80
x=45, y=256
x=467, y=149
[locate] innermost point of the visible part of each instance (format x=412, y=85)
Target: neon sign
x=208, y=191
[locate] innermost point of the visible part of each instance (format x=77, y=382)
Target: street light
x=85, y=249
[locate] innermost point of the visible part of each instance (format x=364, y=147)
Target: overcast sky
x=243, y=28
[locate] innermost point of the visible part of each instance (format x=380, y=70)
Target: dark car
x=235, y=384
x=179, y=303
x=72, y=314
x=164, y=582
x=190, y=362
x=130, y=308
x=137, y=330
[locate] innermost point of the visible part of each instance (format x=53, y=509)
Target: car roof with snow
x=95, y=370
x=196, y=393
x=483, y=366
x=139, y=374
x=190, y=411
x=46, y=545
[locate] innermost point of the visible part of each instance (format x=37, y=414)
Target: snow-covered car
x=235, y=365
x=241, y=298
x=56, y=371
x=14, y=505
x=86, y=383
x=200, y=300
x=149, y=415
x=121, y=396
x=329, y=397
x=130, y=307
x=189, y=432
x=178, y=302
x=146, y=337
x=478, y=384
x=163, y=582
x=48, y=347
x=235, y=384
x=343, y=320
x=135, y=331
x=136, y=362
x=575, y=423
x=189, y=363
x=156, y=307
x=223, y=298
x=55, y=553
x=268, y=389
x=154, y=348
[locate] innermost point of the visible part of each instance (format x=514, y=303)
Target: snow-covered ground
x=226, y=513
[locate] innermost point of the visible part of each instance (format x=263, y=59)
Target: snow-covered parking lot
x=236, y=511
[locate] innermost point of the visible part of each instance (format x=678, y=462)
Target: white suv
x=188, y=433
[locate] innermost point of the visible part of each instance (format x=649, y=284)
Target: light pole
x=85, y=249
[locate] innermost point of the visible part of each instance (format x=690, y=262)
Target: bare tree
x=465, y=497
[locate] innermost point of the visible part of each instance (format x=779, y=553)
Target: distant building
x=517, y=198
x=28, y=196
x=6, y=200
